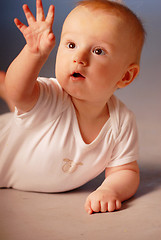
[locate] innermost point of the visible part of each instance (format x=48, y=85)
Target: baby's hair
x=117, y=8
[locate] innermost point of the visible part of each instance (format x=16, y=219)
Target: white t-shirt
x=42, y=150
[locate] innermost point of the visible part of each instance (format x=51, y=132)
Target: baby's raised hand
x=102, y=200
x=38, y=34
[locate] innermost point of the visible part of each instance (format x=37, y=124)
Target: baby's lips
x=77, y=74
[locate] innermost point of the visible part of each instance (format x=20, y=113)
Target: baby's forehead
x=126, y=19
x=86, y=12
x=96, y=20
x=96, y=11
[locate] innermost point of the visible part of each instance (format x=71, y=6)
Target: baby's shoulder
x=121, y=115
x=119, y=109
x=49, y=84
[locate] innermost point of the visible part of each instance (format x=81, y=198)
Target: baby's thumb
x=51, y=41
x=87, y=207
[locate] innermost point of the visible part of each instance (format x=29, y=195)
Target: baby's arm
x=21, y=85
x=120, y=184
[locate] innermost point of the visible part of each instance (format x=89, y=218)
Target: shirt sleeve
x=51, y=103
x=125, y=148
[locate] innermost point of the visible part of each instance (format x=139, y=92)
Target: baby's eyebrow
x=108, y=44
x=68, y=33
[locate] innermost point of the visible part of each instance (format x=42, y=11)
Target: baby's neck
x=91, y=118
x=90, y=111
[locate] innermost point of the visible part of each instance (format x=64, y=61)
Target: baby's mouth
x=77, y=75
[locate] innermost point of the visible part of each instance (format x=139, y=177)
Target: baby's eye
x=71, y=45
x=99, y=51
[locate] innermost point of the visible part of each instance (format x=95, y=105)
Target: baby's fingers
x=29, y=16
x=87, y=206
x=111, y=206
x=39, y=11
x=114, y=205
x=118, y=204
x=103, y=206
x=20, y=25
x=96, y=206
x=50, y=15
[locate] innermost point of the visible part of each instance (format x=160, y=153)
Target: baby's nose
x=81, y=58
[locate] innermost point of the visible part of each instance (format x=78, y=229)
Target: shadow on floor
x=150, y=180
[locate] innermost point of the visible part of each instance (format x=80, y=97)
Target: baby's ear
x=129, y=76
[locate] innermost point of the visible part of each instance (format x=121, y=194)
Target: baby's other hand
x=102, y=200
x=38, y=34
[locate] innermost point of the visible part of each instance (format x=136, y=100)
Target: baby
x=66, y=131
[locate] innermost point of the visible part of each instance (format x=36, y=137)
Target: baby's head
x=101, y=43
x=129, y=22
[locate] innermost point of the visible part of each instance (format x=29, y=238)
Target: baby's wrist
x=109, y=190
x=36, y=55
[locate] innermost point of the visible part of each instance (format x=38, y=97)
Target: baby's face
x=93, y=54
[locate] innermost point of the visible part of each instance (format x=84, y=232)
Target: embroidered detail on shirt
x=70, y=166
